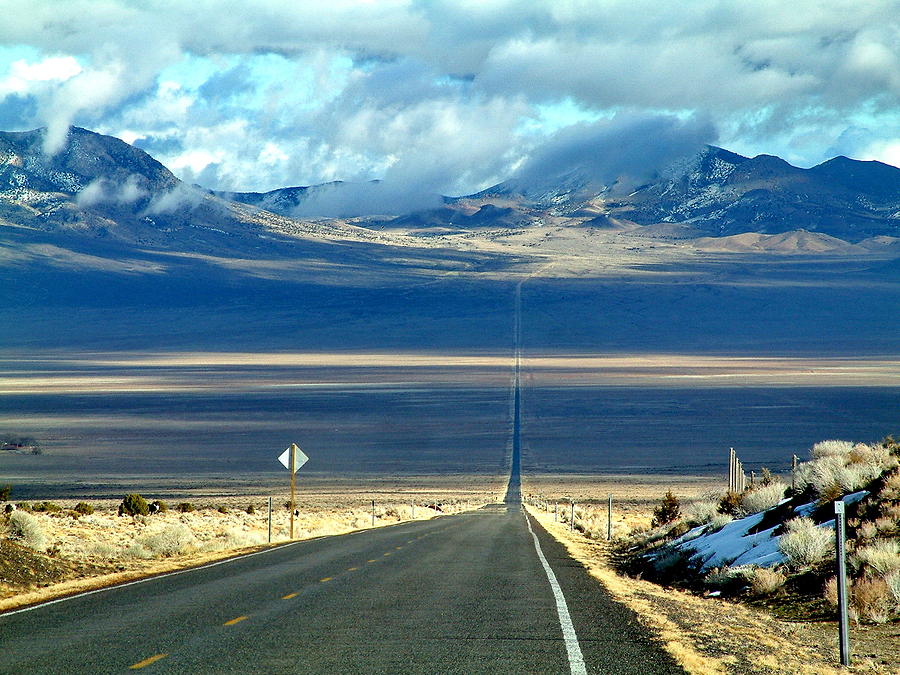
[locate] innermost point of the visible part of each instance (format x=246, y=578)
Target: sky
x=452, y=96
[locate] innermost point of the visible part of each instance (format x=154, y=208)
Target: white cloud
x=437, y=95
x=23, y=76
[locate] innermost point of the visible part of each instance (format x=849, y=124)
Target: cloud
x=103, y=190
x=621, y=153
x=346, y=200
x=442, y=96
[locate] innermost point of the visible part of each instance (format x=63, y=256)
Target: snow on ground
x=735, y=546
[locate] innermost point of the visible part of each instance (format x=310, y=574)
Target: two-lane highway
x=481, y=592
x=460, y=594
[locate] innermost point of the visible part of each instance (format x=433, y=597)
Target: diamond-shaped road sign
x=299, y=458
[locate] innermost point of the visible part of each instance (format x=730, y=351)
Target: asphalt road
x=470, y=593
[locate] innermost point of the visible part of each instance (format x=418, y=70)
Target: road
x=482, y=592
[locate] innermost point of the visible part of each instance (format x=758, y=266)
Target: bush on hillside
x=134, y=505
x=763, y=497
x=83, y=508
x=804, y=544
x=27, y=530
x=669, y=510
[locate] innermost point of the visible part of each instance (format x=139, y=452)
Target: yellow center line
x=235, y=620
x=352, y=569
x=324, y=579
x=372, y=560
x=147, y=662
x=388, y=553
x=288, y=596
x=397, y=548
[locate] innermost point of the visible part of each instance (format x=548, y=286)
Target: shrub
x=160, y=506
x=766, y=477
x=134, y=505
x=702, y=511
x=766, y=581
x=102, y=549
x=830, y=449
x=830, y=593
x=763, y=497
x=882, y=557
x=872, y=599
x=83, y=508
x=171, y=540
x=9, y=508
x=893, y=582
x=719, y=521
x=28, y=530
x=730, y=503
x=804, y=544
x=251, y=509
x=222, y=509
x=727, y=578
x=46, y=507
x=5, y=492
x=184, y=507
x=668, y=510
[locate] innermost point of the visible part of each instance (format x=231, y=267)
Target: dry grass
x=765, y=581
x=219, y=527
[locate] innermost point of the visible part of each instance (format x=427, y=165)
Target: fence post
x=556, y=512
x=609, y=518
x=843, y=623
x=270, y=520
x=572, y=519
x=731, y=470
x=794, y=473
x=373, y=513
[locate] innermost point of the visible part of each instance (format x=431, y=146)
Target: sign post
x=841, y=550
x=292, y=459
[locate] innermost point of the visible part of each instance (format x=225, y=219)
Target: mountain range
x=102, y=187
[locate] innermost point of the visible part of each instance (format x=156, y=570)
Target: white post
x=270, y=520
x=572, y=519
x=609, y=518
x=731, y=471
x=373, y=513
x=556, y=512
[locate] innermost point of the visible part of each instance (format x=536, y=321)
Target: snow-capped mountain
x=99, y=185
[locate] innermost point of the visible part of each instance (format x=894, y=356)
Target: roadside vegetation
x=45, y=543
x=772, y=545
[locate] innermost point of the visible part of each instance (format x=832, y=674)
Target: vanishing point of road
x=487, y=591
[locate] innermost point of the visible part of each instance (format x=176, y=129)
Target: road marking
x=235, y=620
x=388, y=553
x=147, y=662
x=372, y=560
x=576, y=660
x=324, y=579
x=288, y=596
x=397, y=548
x=352, y=569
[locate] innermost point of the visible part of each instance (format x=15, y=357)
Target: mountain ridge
x=99, y=185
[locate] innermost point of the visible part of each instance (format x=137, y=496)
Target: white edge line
x=576, y=659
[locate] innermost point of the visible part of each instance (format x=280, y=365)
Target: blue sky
x=451, y=96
